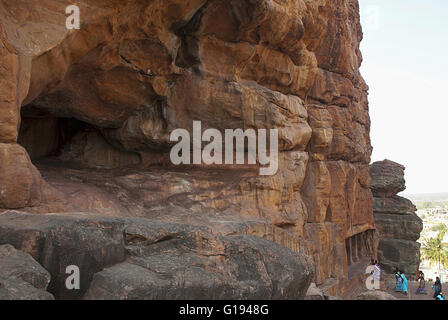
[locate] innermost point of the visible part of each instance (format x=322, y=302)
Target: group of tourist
x=438, y=295
x=401, y=282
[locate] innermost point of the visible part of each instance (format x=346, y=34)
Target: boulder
x=238, y=267
x=137, y=258
x=20, y=183
x=58, y=241
x=387, y=178
x=399, y=253
x=393, y=205
x=21, y=277
x=406, y=227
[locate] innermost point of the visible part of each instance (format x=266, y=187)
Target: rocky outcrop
x=94, y=108
x=21, y=277
x=387, y=178
x=21, y=185
x=236, y=267
x=134, y=258
x=398, y=227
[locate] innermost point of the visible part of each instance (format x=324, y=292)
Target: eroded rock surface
x=136, y=258
x=21, y=277
x=233, y=267
x=21, y=184
x=398, y=226
x=387, y=178
x=96, y=106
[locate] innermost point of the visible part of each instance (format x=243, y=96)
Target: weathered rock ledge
x=137, y=258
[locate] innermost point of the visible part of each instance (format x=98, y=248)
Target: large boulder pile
x=398, y=226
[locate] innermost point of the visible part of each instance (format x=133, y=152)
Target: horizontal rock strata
x=94, y=109
x=398, y=226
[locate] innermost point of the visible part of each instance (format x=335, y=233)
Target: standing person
x=437, y=287
x=377, y=271
x=398, y=281
x=421, y=284
x=404, y=285
x=372, y=262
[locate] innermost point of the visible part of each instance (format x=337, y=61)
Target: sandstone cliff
x=398, y=227
x=93, y=109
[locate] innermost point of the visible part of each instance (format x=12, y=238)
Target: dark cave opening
x=44, y=135
x=70, y=141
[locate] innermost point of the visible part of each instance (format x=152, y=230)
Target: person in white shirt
x=377, y=271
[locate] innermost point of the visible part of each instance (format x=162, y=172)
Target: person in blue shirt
x=437, y=287
x=402, y=282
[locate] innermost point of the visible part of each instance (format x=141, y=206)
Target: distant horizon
x=404, y=63
x=431, y=197
x=430, y=193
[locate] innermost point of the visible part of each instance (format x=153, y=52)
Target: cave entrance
x=44, y=135
x=69, y=141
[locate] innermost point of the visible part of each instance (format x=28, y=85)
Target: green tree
x=440, y=227
x=421, y=205
x=435, y=251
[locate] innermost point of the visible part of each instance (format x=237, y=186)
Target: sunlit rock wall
x=136, y=70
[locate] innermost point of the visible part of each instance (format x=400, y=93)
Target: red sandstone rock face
x=20, y=183
x=136, y=70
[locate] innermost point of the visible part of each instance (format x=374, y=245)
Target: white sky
x=405, y=50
